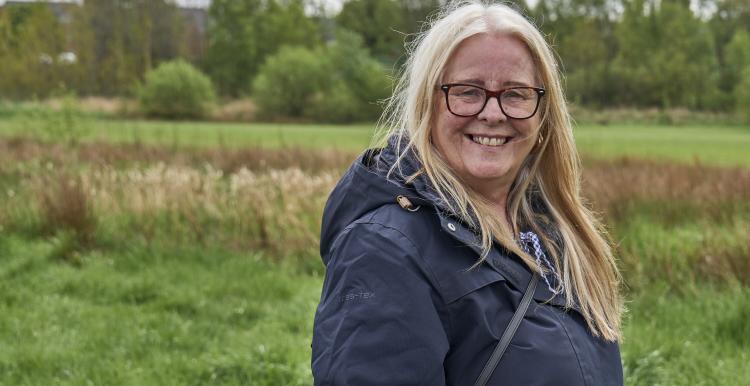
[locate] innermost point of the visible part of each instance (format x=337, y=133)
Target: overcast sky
x=331, y=6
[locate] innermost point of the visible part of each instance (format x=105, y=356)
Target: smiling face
x=487, y=150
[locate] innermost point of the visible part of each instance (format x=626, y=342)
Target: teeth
x=489, y=141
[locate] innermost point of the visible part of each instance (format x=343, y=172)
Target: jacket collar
x=499, y=259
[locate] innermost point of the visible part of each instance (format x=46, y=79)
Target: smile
x=489, y=141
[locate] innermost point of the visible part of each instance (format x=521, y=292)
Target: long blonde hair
x=549, y=177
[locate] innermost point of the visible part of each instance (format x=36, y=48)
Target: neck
x=498, y=198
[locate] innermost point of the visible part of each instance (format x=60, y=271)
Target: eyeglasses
x=465, y=100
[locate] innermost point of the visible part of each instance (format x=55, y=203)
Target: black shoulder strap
x=510, y=330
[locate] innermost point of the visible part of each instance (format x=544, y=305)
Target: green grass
x=149, y=304
x=157, y=315
x=714, y=145
x=209, y=134
x=685, y=253
x=152, y=316
x=698, y=338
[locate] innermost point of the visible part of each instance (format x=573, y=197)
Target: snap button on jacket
x=400, y=307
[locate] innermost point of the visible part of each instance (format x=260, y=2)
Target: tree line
x=640, y=53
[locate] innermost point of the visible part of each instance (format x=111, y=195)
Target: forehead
x=491, y=60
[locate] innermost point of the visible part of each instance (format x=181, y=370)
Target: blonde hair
x=550, y=175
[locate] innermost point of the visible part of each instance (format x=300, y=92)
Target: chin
x=488, y=173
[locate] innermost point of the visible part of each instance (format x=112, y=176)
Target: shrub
x=742, y=95
x=337, y=105
x=176, y=90
x=287, y=82
x=365, y=77
x=340, y=83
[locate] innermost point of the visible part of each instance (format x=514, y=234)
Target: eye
x=465, y=91
x=519, y=94
x=469, y=92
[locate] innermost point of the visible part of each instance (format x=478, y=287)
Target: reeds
x=680, y=224
x=614, y=186
x=276, y=211
x=675, y=223
x=24, y=150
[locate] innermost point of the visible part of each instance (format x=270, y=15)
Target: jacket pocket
x=457, y=282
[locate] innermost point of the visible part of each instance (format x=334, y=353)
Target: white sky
x=330, y=5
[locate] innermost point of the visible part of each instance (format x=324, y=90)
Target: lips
x=489, y=140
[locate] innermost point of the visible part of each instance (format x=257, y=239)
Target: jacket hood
x=366, y=186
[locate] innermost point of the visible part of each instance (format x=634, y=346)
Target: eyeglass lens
x=517, y=102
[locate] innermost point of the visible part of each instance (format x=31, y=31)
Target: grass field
x=138, y=315
x=712, y=145
x=155, y=253
x=156, y=315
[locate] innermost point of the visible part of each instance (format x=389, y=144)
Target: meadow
x=160, y=253
x=714, y=144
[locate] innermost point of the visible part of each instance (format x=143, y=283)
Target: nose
x=492, y=113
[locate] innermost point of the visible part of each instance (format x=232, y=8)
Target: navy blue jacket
x=399, y=307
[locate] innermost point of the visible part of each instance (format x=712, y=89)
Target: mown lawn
x=205, y=134
x=712, y=145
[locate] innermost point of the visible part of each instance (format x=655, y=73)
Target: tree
x=742, y=95
x=242, y=33
x=118, y=41
x=736, y=58
x=355, y=84
x=583, y=33
x=586, y=63
x=336, y=83
x=32, y=40
x=385, y=24
x=666, y=57
x=726, y=18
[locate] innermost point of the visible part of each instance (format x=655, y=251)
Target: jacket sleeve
x=378, y=321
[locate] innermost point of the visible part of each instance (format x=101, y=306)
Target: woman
x=431, y=242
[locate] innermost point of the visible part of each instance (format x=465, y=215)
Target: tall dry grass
x=613, y=186
x=24, y=150
x=275, y=211
x=672, y=223
x=683, y=224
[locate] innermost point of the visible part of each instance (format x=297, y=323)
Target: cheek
x=446, y=126
x=529, y=128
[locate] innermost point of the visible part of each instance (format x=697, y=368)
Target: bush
x=365, y=77
x=742, y=95
x=341, y=83
x=337, y=105
x=176, y=90
x=287, y=81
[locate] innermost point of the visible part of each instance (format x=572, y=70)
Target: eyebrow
x=480, y=82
